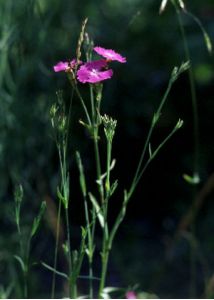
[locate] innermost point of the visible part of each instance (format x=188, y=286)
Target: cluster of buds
x=109, y=127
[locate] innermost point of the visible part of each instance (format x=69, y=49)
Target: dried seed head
x=80, y=40
x=109, y=126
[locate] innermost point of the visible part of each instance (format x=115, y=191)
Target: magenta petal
x=110, y=54
x=96, y=64
x=61, y=66
x=93, y=76
x=93, y=72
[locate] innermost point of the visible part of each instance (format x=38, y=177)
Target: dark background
x=34, y=35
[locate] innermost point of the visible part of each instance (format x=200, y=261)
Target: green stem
x=90, y=249
x=152, y=126
x=105, y=258
x=69, y=122
x=96, y=146
x=71, y=288
x=108, y=163
x=193, y=94
x=196, y=146
x=26, y=268
x=106, y=240
x=92, y=103
x=90, y=280
x=56, y=250
x=83, y=104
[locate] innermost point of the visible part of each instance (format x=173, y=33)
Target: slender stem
x=92, y=103
x=196, y=146
x=106, y=240
x=153, y=156
x=95, y=139
x=90, y=280
x=69, y=122
x=152, y=126
x=105, y=258
x=26, y=268
x=83, y=104
x=193, y=94
x=56, y=250
x=60, y=204
x=100, y=187
x=90, y=249
x=71, y=288
x=108, y=163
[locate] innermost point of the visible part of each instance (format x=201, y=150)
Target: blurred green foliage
x=34, y=35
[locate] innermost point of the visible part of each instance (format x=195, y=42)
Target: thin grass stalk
x=105, y=258
x=95, y=140
x=26, y=268
x=128, y=195
x=56, y=249
x=193, y=94
x=98, y=172
x=152, y=126
x=63, y=172
x=90, y=246
x=196, y=147
x=83, y=104
x=71, y=287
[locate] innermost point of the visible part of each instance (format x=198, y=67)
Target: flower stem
x=56, y=250
x=193, y=94
x=90, y=249
x=71, y=287
x=105, y=258
x=196, y=147
x=152, y=126
x=95, y=139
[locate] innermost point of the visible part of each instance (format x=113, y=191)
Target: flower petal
x=93, y=72
x=110, y=54
x=61, y=66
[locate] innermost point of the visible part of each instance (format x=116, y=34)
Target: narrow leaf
x=113, y=187
x=82, y=175
x=97, y=209
x=54, y=270
x=37, y=220
x=208, y=42
x=61, y=198
x=19, y=259
x=150, y=150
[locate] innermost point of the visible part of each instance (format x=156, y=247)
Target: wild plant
x=85, y=70
x=25, y=238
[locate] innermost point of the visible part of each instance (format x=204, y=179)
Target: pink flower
x=94, y=71
x=110, y=54
x=65, y=66
x=131, y=295
x=61, y=66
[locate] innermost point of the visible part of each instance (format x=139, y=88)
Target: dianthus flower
x=94, y=72
x=65, y=66
x=110, y=54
